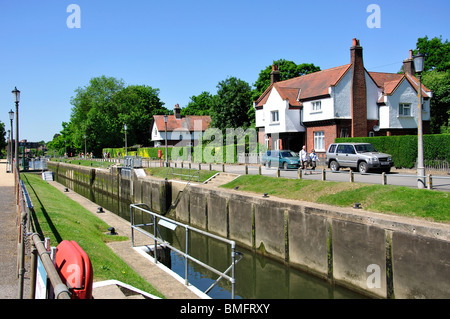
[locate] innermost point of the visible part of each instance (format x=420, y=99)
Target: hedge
x=209, y=153
x=403, y=148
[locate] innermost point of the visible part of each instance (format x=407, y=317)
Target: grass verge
x=83, y=162
x=390, y=199
x=162, y=172
x=59, y=218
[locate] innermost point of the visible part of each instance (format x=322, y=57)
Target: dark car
x=283, y=159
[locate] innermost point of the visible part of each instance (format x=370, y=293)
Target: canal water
x=257, y=277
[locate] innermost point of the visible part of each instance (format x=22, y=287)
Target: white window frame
x=402, y=107
x=319, y=141
x=316, y=106
x=274, y=116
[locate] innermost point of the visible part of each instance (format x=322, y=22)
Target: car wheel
x=334, y=166
x=362, y=167
x=285, y=165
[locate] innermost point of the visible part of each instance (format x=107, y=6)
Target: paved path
x=9, y=281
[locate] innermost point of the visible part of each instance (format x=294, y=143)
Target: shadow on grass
x=44, y=213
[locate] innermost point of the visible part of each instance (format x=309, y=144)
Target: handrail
x=185, y=254
x=59, y=288
x=189, y=175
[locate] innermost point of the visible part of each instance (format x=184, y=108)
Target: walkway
x=9, y=281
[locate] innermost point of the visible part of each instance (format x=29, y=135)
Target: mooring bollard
x=259, y=170
x=299, y=173
x=246, y=169
x=278, y=172
x=429, y=182
x=352, y=178
x=223, y=167
x=383, y=178
x=323, y=175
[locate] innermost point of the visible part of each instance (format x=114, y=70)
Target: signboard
x=41, y=281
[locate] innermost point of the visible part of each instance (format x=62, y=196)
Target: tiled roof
x=311, y=85
x=389, y=82
x=188, y=122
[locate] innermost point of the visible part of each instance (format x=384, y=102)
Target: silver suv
x=357, y=156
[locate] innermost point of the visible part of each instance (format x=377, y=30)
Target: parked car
x=362, y=157
x=284, y=159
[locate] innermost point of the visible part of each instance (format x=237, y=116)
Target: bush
x=404, y=148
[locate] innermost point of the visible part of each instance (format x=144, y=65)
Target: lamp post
x=11, y=150
x=419, y=60
x=165, y=137
x=16, y=95
x=126, y=148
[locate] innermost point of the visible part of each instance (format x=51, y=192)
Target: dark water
x=257, y=277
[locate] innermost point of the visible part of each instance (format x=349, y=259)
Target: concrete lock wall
x=377, y=254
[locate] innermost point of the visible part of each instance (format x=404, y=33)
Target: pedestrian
x=313, y=159
x=304, y=157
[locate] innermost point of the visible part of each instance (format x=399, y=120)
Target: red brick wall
x=359, y=94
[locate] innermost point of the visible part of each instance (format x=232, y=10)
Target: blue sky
x=186, y=47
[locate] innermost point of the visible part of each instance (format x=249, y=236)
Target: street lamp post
x=165, y=137
x=126, y=147
x=16, y=95
x=11, y=150
x=418, y=65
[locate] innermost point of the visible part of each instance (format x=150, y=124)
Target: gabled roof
x=389, y=82
x=187, y=123
x=305, y=87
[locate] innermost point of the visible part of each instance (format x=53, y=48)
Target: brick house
x=344, y=101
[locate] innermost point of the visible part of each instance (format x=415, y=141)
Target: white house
x=181, y=130
x=344, y=101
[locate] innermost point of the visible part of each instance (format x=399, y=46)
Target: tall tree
x=3, y=142
x=199, y=105
x=136, y=105
x=436, y=77
x=231, y=105
x=288, y=70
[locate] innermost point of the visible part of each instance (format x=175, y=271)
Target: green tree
x=288, y=70
x=436, y=77
x=199, y=105
x=437, y=53
x=231, y=105
x=3, y=142
x=136, y=105
x=100, y=111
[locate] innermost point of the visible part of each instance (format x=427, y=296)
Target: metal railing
x=235, y=256
x=27, y=236
x=172, y=172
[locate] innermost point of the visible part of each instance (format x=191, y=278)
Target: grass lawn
x=162, y=172
x=88, y=163
x=390, y=199
x=59, y=218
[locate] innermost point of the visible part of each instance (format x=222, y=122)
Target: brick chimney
x=408, y=64
x=358, y=92
x=177, y=111
x=275, y=74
